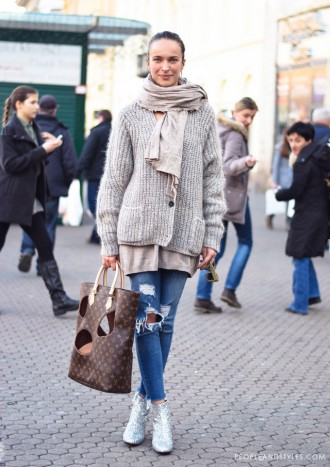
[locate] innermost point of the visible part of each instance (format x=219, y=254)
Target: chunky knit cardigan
x=132, y=205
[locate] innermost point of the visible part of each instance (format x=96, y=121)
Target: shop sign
x=303, y=38
x=40, y=63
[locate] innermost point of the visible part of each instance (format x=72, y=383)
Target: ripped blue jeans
x=160, y=293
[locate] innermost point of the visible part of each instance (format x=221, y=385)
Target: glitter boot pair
x=162, y=425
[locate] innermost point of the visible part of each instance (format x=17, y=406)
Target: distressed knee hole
x=151, y=322
x=164, y=310
x=153, y=317
x=147, y=289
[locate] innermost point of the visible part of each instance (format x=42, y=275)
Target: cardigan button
x=171, y=204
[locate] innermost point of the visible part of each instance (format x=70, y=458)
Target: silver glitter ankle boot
x=135, y=429
x=162, y=428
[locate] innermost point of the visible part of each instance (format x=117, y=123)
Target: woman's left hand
x=208, y=255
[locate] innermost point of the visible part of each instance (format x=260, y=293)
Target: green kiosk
x=49, y=52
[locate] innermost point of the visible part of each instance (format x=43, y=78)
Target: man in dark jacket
x=91, y=162
x=309, y=226
x=321, y=124
x=60, y=172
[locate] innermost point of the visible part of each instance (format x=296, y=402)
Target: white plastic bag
x=272, y=205
x=291, y=205
x=71, y=207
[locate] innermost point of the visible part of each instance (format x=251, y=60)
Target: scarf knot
x=164, y=149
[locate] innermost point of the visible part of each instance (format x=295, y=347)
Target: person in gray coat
x=236, y=164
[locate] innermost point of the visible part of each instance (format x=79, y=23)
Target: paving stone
x=249, y=381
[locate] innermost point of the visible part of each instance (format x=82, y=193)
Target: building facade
x=273, y=51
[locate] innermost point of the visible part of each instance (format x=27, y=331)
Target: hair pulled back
x=19, y=94
x=246, y=103
x=172, y=36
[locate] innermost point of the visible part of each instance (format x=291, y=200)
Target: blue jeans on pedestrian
x=234, y=276
x=160, y=293
x=28, y=246
x=92, y=189
x=305, y=284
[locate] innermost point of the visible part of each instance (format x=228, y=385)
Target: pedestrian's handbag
x=102, y=353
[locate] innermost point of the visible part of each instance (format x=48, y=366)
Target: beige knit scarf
x=164, y=150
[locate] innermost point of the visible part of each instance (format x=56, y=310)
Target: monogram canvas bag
x=102, y=353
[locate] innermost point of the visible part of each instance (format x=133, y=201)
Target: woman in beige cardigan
x=236, y=164
x=159, y=207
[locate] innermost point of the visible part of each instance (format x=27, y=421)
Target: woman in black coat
x=308, y=233
x=23, y=186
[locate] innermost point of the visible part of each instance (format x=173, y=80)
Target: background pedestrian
x=91, y=162
x=308, y=232
x=237, y=162
x=281, y=173
x=23, y=186
x=60, y=171
x=321, y=124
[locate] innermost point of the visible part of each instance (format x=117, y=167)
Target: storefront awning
x=102, y=31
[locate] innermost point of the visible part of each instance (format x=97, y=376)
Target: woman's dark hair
x=106, y=114
x=285, y=146
x=172, y=36
x=306, y=130
x=246, y=103
x=19, y=94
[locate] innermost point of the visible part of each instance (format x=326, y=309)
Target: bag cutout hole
x=106, y=325
x=84, y=342
x=83, y=306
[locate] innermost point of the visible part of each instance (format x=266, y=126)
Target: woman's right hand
x=110, y=261
x=250, y=161
x=51, y=144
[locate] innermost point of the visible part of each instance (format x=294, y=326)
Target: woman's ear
x=18, y=105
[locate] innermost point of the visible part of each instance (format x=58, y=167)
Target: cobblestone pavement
x=247, y=387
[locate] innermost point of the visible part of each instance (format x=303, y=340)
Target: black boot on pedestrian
x=230, y=298
x=51, y=276
x=24, y=264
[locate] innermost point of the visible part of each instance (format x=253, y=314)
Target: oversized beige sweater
x=132, y=205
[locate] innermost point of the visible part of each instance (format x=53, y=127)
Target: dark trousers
x=38, y=233
x=28, y=246
x=93, y=187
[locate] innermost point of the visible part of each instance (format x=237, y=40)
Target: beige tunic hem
x=136, y=259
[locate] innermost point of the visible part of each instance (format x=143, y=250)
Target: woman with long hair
x=23, y=153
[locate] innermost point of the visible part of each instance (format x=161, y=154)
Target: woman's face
x=27, y=110
x=297, y=143
x=244, y=116
x=165, y=62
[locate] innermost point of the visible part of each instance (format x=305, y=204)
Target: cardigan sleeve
x=12, y=161
x=118, y=170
